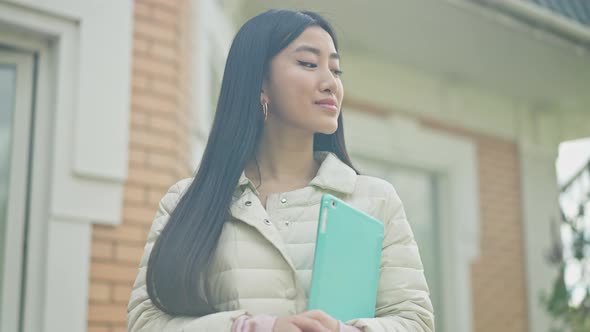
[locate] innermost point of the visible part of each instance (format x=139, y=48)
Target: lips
x=327, y=101
x=328, y=104
x=328, y=107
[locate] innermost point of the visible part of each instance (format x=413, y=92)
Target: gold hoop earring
x=265, y=110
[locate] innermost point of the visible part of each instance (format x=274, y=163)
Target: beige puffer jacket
x=264, y=257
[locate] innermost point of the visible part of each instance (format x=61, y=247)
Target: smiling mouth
x=328, y=107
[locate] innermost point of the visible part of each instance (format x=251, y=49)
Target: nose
x=328, y=81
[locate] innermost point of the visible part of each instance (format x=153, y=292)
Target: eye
x=307, y=64
x=338, y=72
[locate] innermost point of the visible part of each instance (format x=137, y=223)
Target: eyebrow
x=315, y=51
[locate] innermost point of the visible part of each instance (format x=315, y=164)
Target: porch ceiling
x=458, y=39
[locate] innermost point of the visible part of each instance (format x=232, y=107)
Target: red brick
x=137, y=157
x=168, y=18
x=100, y=292
x=102, y=250
x=153, y=104
x=121, y=233
x=141, y=82
x=142, y=9
x=114, y=272
x=135, y=194
x=99, y=328
x=160, y=161
x=167, y=89
x=139, y=120
x=115, y=313
x=155, y=195
x=165, y=124
x=129, y=253
x=150, y=177
x=173, y=6
x=121, y=293
x=165, y=52
x=141, y=215
x=153, y=140
x=151, y=31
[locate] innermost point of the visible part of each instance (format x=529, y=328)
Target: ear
x=263, y=97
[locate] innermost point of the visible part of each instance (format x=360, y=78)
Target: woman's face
x=303, y=76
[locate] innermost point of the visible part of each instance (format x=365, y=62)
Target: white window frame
x=540, y=206
x=402, y=141
x=212, y=36
x=10, y=302
x=83, y=88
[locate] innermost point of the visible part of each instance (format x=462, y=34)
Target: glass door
x=16, y=93
x=418, y=190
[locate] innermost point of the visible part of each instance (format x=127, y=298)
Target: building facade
x=460, y=104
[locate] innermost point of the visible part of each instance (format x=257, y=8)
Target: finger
x=309, y=324
x=317, y=314
x=321, y=316
x=293, y=328
x=285, y=325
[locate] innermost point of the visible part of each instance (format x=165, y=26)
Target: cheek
x=294, y=93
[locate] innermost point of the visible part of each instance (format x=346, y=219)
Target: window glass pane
x=7, y=95
x=418, y=192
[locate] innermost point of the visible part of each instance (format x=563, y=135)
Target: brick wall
x=158, y=154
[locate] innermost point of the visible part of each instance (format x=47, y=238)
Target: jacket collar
x=333, y=174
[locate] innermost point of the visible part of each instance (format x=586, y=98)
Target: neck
x=283, y=156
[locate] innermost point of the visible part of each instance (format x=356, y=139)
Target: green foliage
x=568, y=311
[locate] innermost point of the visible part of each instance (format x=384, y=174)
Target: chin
x=328, y=130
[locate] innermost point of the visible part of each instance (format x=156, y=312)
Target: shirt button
x=268, y=222
x=287, y=222
x=248, y=203
x=283, y=200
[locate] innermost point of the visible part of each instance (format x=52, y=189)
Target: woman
x=232, y=248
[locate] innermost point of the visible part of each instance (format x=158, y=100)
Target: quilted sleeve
x=142, y=314
x=403, y=299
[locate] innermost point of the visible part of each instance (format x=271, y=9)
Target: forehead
x=312, y=37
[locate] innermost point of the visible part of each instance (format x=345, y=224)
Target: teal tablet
x=345, y=274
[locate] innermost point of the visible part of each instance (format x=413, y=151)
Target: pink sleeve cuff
x=258, y=323
x=348, y=328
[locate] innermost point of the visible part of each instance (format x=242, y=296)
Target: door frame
x=72, y=165
x=401, y=140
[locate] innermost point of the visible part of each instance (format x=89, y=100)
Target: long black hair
x=181, y=255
